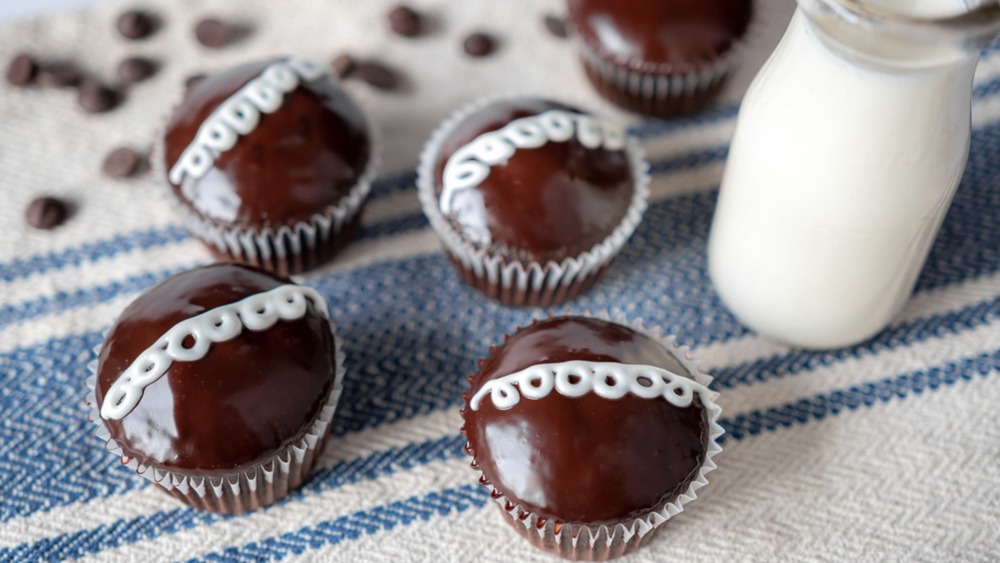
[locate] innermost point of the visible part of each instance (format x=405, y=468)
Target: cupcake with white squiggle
x=590, y=434
x=664, y=59
x=269, y=164
x=532, y=198
x=219, y=385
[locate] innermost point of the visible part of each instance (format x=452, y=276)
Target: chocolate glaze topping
x=299, y=160
x=544, y=203
x=588, y=459
x=663, y=32
x=247, y=398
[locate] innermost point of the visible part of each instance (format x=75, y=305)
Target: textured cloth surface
x=886, y=450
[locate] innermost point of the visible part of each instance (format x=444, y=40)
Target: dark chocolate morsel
x=136, y=69
x=215, y=33
x=46, y=213
x=121, y=162
x=22, y=70
x=344, y=65
x=405, y=21
x=94, y=97
x=136, y=24
x=478, y=44
x=377, y=74
x=588, y=459
x=556, y=26
x=62, y=74
x=194, y=80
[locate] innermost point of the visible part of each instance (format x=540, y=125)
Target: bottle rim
x=970, y=30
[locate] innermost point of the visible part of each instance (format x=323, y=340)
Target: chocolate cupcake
x=663, y=59
x=590, y=434
x=532, y=198
x=269, y=164
x=219, y=385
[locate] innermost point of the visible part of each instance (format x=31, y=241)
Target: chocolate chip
x=556, y=26
x=136, y=69
x=121, y=162
x=344, y=65
x=214, y=33
x=478, y=45
x=193, y=80
x=378, y=75
x=46, y=213
x=59, y=75
x=405, y=21
x=95, y=97
x=136, y=24
x=21, y=70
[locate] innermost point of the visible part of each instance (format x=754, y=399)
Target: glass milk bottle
x=848, y=148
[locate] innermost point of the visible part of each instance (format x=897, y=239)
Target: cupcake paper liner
x=508, y=280
x=607, y=541
x=282, y=249
x=246, y=488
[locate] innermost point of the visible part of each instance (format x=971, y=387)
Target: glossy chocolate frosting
x=298, y=160
x=662, y=32
x=544, y=203
x=247, y=398
x=584, y=460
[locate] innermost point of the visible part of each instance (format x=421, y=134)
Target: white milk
x=838, y=178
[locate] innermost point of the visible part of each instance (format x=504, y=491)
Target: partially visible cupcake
x=219, y=385
x=660, y=58
x=590, y=434
x=270, y=164
x=532, y=198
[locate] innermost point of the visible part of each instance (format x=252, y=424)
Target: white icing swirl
x=239, y=115
x=609, y=380
x=470, y=165
x=258, y=313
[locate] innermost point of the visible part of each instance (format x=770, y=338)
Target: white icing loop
x=504, y=395
x=537, y=386
x=589, y=132
x=609, y=380
x=258, y=312
x=240, y=114
x=470, y=165
x=558, y=126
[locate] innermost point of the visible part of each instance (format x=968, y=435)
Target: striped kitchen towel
x=883, y=451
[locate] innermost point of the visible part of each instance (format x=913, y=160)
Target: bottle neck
x=862, y=32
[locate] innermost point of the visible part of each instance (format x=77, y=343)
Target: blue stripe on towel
x=143, y=240
x=359, y=524
x=900, y=336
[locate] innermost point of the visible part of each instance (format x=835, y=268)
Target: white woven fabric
x=886, y=451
